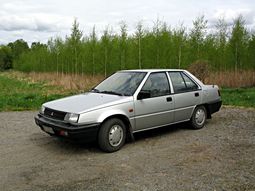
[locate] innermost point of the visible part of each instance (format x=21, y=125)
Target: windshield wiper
x=95, y=90
x=112, y=92
x=108, y=92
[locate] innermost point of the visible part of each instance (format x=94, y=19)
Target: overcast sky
x=38, y=20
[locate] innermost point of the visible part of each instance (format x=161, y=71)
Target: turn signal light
x=130, y=110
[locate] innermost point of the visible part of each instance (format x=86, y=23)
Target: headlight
x=72, y=117
x=42, y=110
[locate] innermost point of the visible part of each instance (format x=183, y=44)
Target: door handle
x=196, y=94
x=168, y=99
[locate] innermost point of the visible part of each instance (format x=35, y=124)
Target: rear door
x=187, y=94
x=156, y=108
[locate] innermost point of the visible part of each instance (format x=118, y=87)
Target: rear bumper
x=214, y=106
x=84, y=132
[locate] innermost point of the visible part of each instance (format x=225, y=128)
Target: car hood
x=86, y=102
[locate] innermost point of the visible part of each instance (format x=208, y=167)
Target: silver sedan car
x=130, y=101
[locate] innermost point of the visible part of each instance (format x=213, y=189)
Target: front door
x=154, y=106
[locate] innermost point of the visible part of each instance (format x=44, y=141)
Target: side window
x=190, y=85
x=177, y=81
x=157, y=85
x=181, y=82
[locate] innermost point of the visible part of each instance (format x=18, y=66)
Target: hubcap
x=115, y=135
x=200, y=116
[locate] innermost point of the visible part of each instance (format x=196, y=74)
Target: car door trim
x=152, y=114
x=155, y=127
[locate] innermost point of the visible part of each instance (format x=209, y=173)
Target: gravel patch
x=218, y=157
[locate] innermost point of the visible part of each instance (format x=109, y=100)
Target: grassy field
x=20, y=91
x=239, y=97
x=21, y=95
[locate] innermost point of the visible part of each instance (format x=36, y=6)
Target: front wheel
x=198, y=117
x=112, y=135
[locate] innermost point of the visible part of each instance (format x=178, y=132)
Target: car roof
x=153, y=70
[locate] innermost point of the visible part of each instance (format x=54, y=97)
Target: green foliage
x=224, y=48
x=21, y=95
x=92, y=43
x=238, y=43
x=221, y=44
x=251, y=52
x=18, y=47
x=197, y=36
x=239, y=97
x=123, y=45
x=5, y=58
x=139, y=36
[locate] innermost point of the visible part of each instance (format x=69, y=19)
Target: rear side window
x=182, y=83
x=190, y=85
x=157, y=84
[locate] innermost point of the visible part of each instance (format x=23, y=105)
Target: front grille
x=60, y=115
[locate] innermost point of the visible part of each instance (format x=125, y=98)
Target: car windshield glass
x=120, y=83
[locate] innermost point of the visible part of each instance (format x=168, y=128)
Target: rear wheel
x=198, y=117
x=112, y=135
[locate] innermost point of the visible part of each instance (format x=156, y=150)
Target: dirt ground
x=220, y=156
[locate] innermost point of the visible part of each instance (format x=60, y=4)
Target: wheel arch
x=193, y=121
x=125, y=120
x=208, y=113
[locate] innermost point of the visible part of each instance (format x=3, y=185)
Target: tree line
x=222, y=46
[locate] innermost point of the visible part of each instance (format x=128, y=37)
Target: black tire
x=118, y=131
x=195, y=121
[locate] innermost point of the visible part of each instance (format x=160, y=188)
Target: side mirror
x=143, y=95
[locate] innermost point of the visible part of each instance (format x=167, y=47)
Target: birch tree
x=93, y=42
x=238, y=41
x=123, y=44
x=75, y=44
x=139, y=35
x=105, y=43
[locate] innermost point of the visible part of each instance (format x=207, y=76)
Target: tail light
x=219, y=92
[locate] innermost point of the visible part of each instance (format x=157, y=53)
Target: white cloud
x=38, y=20
x=18, y=6
x=230, y=14
x=17, y=15
x=34, y=22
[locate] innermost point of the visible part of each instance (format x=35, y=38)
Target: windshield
x=120, y=83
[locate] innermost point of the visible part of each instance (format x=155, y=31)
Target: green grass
x=239, y=97
x=17, y=95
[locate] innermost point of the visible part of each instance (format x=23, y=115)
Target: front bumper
x=81, y=132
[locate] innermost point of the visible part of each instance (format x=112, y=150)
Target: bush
x=5, y=58
x=200, y=69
